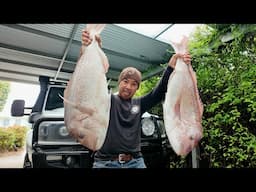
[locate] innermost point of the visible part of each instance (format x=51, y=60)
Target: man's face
x=127, y=88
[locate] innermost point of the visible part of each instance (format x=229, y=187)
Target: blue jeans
x=134, y=163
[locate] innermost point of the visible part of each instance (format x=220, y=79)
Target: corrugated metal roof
x=30, y=50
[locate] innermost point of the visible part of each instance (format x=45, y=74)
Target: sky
x=174, y=33
x=29, y=92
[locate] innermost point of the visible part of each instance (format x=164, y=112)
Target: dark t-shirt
x=124, y=133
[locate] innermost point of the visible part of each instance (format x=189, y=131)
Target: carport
x=30, y=50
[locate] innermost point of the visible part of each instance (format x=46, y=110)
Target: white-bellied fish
x=86, y=97
x=182, y=108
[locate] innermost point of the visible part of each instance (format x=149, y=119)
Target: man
x=121, y=148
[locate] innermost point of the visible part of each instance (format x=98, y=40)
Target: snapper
x=182, y=108
x=86, y=97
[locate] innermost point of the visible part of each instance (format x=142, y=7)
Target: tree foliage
x=4, y=91
x=224, y=57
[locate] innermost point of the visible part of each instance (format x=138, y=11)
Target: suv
x=48, y=143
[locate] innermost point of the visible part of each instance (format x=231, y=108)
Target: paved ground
x=12, y=159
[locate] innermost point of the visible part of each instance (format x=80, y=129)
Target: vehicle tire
x=27, y=163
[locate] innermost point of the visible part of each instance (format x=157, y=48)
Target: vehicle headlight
x=54, y=132
x=148, y=126
x=63, y=131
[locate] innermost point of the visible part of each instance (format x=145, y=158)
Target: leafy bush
x=224, y=57
x=7, y=140
x=226, y=79
x=12, y=137
x=20, y=134
x=4, y=91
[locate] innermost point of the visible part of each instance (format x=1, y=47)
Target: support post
x=195, y=157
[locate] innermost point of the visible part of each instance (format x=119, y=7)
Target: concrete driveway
x=12, y=159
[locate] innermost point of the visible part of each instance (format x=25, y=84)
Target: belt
x=121, y=158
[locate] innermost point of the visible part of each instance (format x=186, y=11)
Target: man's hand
x=86, y=40
x=185, y=57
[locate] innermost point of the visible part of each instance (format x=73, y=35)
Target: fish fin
x=95, y=29
x=182, y=46
x=99, y=28
x=198, y=99
x=67, y=101
x=81, y=117
x=89, y=139
x=104, y=60
x=110, y=89
x=87, y=110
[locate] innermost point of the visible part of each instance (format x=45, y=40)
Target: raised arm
x=158, y=93
x=87, y=40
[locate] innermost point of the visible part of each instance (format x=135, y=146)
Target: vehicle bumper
x=156, y=155
x=61, y=159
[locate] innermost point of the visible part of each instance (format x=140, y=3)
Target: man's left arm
x=158, y=93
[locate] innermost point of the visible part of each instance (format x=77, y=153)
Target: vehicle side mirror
x=17, y=109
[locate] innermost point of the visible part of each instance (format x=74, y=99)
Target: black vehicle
x=48, y=144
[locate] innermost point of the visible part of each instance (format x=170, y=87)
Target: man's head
x=129, y=81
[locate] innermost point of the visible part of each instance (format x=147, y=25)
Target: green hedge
x=12, y=138
x=224, y=58
x=226, y=73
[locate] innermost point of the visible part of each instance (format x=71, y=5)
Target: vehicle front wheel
x=27, y=163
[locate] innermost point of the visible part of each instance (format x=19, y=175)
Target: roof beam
x=30, y=53
x=34, y=31
x=34, y=71
x=14, y=76
x=66, y=50
x=152, y=72
x=168, y=27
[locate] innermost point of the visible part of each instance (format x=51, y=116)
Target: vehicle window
x=54, y=101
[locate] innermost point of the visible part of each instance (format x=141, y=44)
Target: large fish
x=86, y=97
x=182, y=108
